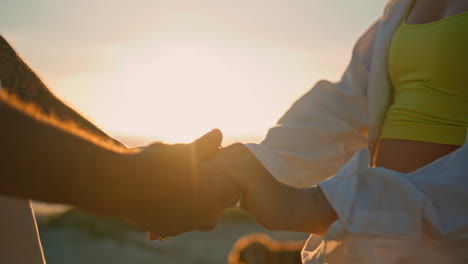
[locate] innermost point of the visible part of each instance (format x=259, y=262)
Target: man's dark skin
x=49, y=152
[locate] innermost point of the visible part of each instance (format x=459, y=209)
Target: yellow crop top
x=428, y=68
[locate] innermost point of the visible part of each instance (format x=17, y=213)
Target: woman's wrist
x=312, y=210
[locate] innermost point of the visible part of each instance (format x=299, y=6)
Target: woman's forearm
x=313, y=212
x=275, y=205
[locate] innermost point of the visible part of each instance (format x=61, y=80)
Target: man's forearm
x=42, y=160
x=18, y=79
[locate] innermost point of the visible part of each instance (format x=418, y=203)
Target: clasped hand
x=184, y=187
x=168, y=190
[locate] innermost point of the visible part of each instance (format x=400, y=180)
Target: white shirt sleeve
x=420, y=217
x=321, y=131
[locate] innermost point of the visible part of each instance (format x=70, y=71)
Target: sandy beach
x=74, y=237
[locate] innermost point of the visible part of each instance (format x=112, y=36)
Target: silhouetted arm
x=162, y=188
x=44, y=159
x=18, y=79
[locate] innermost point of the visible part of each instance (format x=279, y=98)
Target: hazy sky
x=170, y=70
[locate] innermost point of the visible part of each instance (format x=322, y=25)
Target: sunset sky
x=171, y=70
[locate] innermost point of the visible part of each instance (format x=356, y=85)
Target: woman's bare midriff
x=407, y=156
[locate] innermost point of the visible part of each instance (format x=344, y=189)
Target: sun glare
x=173, y=71
x=176, y=90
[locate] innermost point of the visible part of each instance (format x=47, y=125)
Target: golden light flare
x=187, y=72
x=176, y=90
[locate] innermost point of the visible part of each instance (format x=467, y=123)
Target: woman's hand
x=275, y=205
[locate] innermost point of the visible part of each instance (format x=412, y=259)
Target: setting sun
x=171, y=71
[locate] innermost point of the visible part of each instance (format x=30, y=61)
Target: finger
x=154, y=147
x=242, y=203
x=151, y=236
x=169, y=232
x=207, y=145
x=154, y=236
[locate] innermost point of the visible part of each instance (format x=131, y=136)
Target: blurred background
x=171, y=70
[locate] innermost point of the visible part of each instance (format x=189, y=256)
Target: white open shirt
x=383, y=216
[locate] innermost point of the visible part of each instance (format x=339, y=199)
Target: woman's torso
x=408, y=155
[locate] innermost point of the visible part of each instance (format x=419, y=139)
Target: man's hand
x=168, y=191
x=162, y=188
x=275, y=205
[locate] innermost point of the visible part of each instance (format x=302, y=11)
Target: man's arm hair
x=18, y=79
x=43, y=158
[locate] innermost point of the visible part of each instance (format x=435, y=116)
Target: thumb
x=207, y=145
